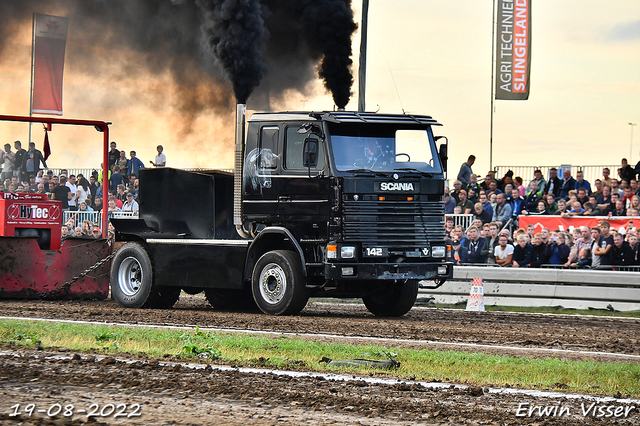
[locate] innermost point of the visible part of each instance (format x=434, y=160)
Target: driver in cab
x=372, y=153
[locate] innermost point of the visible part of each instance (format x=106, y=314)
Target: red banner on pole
x=513, y=49
x=50, y=39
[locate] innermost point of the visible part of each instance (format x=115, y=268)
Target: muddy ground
x=174, y=394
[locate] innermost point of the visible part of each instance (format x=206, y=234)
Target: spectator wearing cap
x=134, y=164
x=464, y=175
x=97, y=233
x=131, y=205
x=465, y=205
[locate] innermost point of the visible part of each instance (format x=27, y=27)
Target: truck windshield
x=401, y=149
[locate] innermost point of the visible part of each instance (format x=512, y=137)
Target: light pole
x=631, y=146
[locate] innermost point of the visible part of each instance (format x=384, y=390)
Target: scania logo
x=396, y=186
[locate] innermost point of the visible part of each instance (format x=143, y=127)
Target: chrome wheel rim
x=130, y=276
x=273, y=283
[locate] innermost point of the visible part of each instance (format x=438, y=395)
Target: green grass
x=602, y=378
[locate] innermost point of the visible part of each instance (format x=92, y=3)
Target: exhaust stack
x=241, y=117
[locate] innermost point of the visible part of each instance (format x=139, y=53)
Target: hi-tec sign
x=19, y=211
x=397, y=186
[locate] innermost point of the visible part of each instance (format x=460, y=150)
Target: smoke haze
x=170, y=71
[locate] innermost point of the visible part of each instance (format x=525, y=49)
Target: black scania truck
x=321, y=204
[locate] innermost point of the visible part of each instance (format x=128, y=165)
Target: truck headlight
x=347, y=252
x=438, y=251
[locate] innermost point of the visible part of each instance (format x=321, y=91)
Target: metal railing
x=591, y=173
x=464, y=220
x=78, y=217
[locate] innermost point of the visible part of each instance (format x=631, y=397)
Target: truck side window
x=268, y=148
x=294, y=145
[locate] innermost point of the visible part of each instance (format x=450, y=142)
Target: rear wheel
x=278, y=283
x=394, y=300
x=132, y=281
x=131, y=276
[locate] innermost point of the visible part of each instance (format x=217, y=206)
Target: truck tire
x=132, y=277
x=226, y=300
x=395, y=300
x=278, y=283
x=163, y=297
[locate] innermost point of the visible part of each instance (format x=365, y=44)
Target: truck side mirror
x=310, y=152
x=442, y=153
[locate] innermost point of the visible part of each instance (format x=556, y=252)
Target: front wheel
x=394, y=300
x=278, y=284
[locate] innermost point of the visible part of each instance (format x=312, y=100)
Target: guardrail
x=591, y=173
x=579, y=289
x=464, y=220
x=95, y=218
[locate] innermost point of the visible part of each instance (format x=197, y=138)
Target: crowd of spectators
x=496, y=203
x=503, y=200
x=22, y=172
x=584, y=247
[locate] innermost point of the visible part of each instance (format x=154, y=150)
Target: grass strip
x=601, y=378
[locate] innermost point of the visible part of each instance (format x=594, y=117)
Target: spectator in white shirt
x=161, y=159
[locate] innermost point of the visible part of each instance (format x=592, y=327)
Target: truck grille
x=393, y=222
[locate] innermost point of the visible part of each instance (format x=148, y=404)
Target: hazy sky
x=585, y=89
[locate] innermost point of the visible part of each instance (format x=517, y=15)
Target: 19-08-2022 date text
x=69, y=410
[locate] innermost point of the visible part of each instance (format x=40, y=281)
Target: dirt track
x=178, y=395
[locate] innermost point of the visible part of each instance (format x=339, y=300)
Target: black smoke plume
x=234, y=32
x=270, y=45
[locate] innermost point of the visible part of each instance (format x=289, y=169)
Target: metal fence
x=591, y=173
x=464, y=220
x=95, y=218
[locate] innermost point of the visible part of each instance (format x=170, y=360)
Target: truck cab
x=357, y=196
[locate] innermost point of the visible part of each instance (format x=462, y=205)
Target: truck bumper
x=388, y=271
